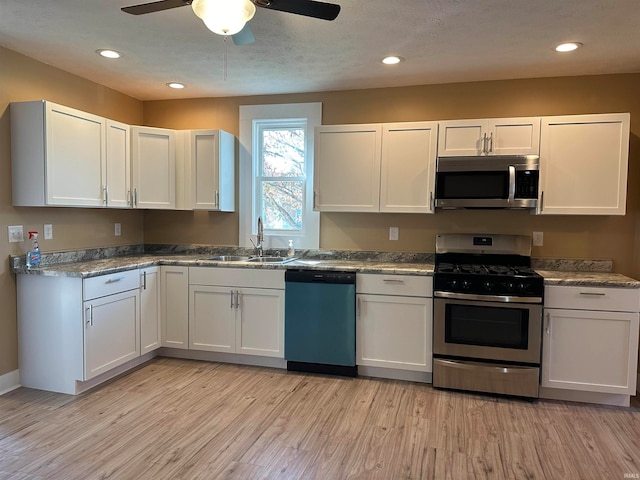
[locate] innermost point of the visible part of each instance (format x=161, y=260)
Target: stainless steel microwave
x=487, y=182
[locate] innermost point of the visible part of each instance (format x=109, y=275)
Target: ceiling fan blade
x=155, y=6
x=244, y=36
x=308, y=8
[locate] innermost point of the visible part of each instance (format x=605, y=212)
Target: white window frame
x=250, y=117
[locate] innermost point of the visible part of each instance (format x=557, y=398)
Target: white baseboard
x=9, y=381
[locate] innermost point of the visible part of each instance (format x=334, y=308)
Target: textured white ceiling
x=442, y=41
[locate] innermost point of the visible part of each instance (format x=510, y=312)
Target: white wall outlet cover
x=538, y=239
x=16, y=233
x=48, y=231
x=118, y=230
x=393, y=233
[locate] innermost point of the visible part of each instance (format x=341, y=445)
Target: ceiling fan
x=230, y=17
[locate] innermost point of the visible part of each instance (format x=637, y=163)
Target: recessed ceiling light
x=568, y=47
x=108, y=53
x=392, y=60
x=176, y=85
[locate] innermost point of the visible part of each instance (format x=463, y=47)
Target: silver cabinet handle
x=135, y=197
x=548, y=327
x=231, y=305
x=217, y=199
x=114, y=280
x=130, y=198
x=393, y=280
x=541, y=201
x=144, y=280
x=593, y=294
x=358, y=307
x=105, y=193
x=237, y=299
x=490, y=143
x=431, y=204
x=90, y=319
x=484, y=143
x=315, y=199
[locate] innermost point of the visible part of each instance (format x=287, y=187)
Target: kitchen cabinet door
x=394, y=332
x=150, y=324
x=112, y=334
x=347, y=168
x=212, y=318
x=205, y=170
x=493, y=136
x=174, y=285
x=583, y=164
x=153, y=158
x=57, y=155
x=407, y=178
x=118, y=165
x=260, y=322
x=590, y=351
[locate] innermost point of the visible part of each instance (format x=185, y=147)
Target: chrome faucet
x=259, y=238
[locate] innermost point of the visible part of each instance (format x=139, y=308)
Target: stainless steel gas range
x=487, y=315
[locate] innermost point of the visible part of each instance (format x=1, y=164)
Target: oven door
x=487, y=330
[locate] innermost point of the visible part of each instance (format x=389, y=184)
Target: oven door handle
x=487, y=298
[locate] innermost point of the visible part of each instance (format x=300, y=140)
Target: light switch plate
x=16, y=233
x=118, y=230
x=48, y=231
x=393, y=233
x=538, y=239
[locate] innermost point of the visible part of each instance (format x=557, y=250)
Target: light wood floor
x=177, y=419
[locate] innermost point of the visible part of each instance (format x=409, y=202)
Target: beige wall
x=564, y=236
x=22, y=78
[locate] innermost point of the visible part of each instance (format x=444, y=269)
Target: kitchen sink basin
x=270, y=259
x=229, y=258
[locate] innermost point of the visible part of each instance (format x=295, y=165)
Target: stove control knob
x=466, y=285
x=522, y=287
x=488, y=286
x=453, y=283
x=510, y=286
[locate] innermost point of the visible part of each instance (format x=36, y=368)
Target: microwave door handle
x=512, y=184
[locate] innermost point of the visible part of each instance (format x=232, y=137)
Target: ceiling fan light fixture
x=224, y=17
x=176, y=85
x=106, y=53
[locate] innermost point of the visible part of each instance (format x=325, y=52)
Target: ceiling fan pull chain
x=224, y=64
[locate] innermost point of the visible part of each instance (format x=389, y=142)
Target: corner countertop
x=92, y=268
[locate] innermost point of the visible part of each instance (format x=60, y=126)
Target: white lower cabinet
x=174, y=283
x=591, y=345
x=394, y=322
x=237, y=311
x=71, y=330
x=150, y=325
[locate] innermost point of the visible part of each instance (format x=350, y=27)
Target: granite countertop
x=91, y=268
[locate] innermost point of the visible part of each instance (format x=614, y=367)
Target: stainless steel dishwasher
x=320, y=322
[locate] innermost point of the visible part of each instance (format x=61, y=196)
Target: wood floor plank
x=189, y=420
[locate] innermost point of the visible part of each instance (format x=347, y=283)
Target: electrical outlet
x=48, y=231
x=393, y=233
x=538, y=239
x=16, y=234
x=118, y=230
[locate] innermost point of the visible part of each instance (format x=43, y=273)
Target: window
x=276, y=174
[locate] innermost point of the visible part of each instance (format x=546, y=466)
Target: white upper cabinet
x=493, y=136
x=408, y=167
x=583, y=164
x=375, y=167
x=118, y=164
x=205, y=170
x=58, y=155
x=153, y=156
x=347, y=168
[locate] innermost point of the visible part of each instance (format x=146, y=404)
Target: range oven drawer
x=486, y=377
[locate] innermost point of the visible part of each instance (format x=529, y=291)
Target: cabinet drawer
x=405, y=285
x=237, y=277
x=592, y=298
x=103, y=285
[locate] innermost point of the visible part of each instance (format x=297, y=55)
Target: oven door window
x=487, y=326
x=472, y=185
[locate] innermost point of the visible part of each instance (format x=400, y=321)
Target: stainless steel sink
x=270, y=259
x=229, y=258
